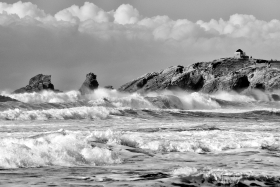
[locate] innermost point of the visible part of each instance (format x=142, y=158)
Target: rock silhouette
x=224, y=74
x=37, y=83
x=89, y=85
x=6, y=99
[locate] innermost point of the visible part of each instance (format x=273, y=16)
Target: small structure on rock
x=240, y=54
x=89, y=85
x=37, y=83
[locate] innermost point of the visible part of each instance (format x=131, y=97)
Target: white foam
x=67, y=113
x=189, y=141
x=59, y=149
x=45, y=97
x=233, y=96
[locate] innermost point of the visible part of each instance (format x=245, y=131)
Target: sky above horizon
x=119, y=40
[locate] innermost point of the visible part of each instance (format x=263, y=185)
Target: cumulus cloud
x=88, y=11
x=110, y=42
x=126, y=14
x=22, y=9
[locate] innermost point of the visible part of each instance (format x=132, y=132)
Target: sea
x=108, y=138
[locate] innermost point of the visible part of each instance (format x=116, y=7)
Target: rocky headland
x=226, y=74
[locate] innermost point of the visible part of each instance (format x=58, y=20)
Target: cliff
x=223, y=74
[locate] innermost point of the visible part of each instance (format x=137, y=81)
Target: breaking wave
x=61, y=148
x=222, y=177
x=200, y=141
x=103, y=102
x=59, y=114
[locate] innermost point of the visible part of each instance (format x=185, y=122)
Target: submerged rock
x=89, y=85
x=6, y=99
x=226, y=74
x=37, y=83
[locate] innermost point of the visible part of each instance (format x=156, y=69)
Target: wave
x=61, y=148
x=190, y=140
x=71, y=105
x=222, y=177
x=98, y=112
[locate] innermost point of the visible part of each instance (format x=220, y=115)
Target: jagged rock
x=109, y=87
x=166, y=102
x=6, y=99
x=37, y=83
x=223, y=74
x=89, y=84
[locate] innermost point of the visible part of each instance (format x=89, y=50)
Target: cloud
x=109, y=43
x=88, y=11
x=126, y=14
x=22, y=10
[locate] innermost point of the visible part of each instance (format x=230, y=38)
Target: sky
x=120, y=40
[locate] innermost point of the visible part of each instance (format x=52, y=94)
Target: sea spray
x=61, y=148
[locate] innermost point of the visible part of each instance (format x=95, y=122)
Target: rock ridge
x=225, y=74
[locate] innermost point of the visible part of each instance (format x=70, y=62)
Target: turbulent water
x=115, y=139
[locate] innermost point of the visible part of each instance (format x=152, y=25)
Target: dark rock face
x=166, y=102
x=37, y=83
x=275, y=97
x=6, y=99
x=89, y=84
x=224, y=74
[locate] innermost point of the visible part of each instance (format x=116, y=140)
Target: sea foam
x=61, y=148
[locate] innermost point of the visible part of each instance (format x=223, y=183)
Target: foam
x=62, y=148
x=214, y=141
x=233, y=97
x=59, y=114
x=45, y=97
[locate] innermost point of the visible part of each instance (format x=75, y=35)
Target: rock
x=226, y=74
x=166, y=102
x=109, y=87
x=275, y=97
x=37, y=83
x=89, y=85
x=6, y=99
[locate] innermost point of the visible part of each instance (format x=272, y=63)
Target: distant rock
x=109, y=87
x=89, y=85
x=37, y=83
x=166, y=102
x=224, y=74
x=6, y=99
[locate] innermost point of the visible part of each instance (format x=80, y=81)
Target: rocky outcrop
x=37, y=83
x=223, y=74
x=109, y=87
x=89, y=85
x=6, y=99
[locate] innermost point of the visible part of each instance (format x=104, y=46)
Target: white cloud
x=126, y=14
x=91, y=37
x=22, y=9
x=88, y=11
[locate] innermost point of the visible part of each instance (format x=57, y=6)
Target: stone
x=226, y=74
x=89, y=85
x=37, y=83
x=6, y=99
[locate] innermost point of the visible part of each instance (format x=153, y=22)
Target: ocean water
x=115, y=139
